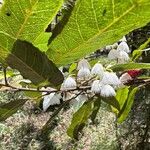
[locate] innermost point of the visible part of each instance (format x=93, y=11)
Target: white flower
x=113, y=54
x=1, y=1
x=84, y=73
x=69, y=83
x=123, y=57
x=123, y=39
x=108, y=47
x=96, y=87
x=114, y=46
x=123, y=46
x=98, y=70
x=51, y=99
x=83, y=63
x=110, y=78
x=125, y=78
x=107, y=91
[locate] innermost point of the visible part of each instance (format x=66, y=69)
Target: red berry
x=134, y=73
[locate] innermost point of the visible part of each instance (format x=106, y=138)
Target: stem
x=5, y=76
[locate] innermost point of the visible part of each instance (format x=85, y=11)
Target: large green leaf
x=26, y=20
x=79, y=119
x=6, y=110
x=127, y=105
x=94, y=24
x=130, y=66
x=34, y=64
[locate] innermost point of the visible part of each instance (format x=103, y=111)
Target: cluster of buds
x=96, y=80
x=120, y=53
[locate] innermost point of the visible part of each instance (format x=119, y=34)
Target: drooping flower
x=125, y=78
x=123, y=46
x=110, y=78
x=83, y=63
x=96, y=87
x=114, y=46
x=69, y=83
x=108, y=47
x=123, y=57
x=107, y=91
x=98, y=70
x=51, y=99
x=84, y=73
x=113, y=54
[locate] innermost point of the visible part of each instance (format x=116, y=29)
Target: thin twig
x=5, y=76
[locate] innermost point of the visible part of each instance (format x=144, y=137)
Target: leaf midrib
x=26, y=19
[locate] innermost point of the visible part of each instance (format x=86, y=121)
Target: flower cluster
x=96, y=80
x=120, y=53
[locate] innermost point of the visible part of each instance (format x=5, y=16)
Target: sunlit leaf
x=94, y=24
x=127, y=105
x=79, y=119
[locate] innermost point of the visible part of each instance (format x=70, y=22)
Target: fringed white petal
x=123, y=46
x=113, y=54
x=69, y=83
x=96, y=87
x=98, y=70
x=84, y=73
x=83, y=63
x=107, y=91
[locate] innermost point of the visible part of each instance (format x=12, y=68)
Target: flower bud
x=123, y=57
x=98, y=70
x=110, y=78
x=51, y=99
x=96, y=87
x=113, y=54
x=84, y=73
x=123, y=46
x=69, y=83
x=83, y=63
x=107, y=91
x=125, y=78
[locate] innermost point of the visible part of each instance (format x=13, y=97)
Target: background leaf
x=112, y=101
x=94, y=24
x=79, y=119
x=6, y=110
x=130, y=66
x=127, y=105
x=121, y=97
x=97, y=104
x=137, y=53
